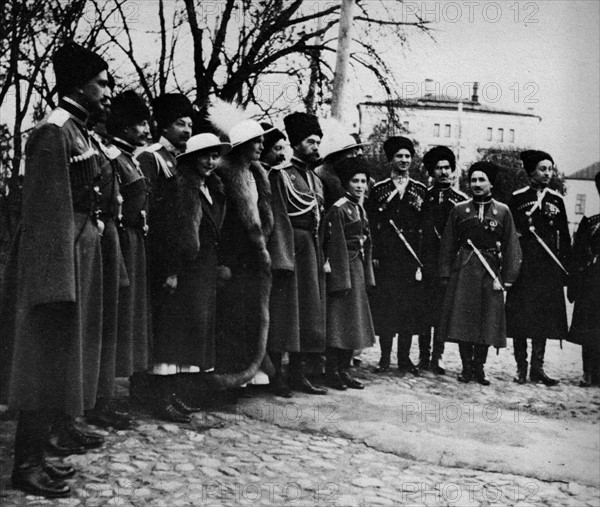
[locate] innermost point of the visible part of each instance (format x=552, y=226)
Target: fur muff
x=190, y=209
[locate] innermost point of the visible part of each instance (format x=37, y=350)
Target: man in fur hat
x=51, y=326
x=173, y=114
x=398, y=301
x=535, y=306
x=128, y=128
x=297, y=297
x=440, y=198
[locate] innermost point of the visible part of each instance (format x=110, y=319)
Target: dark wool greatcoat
x=133, y=340
x=347, y=247
x=473, y=311
x=535, y=305
x=298, y=295
x=159, y=166
x=55, y=273
x=584, y=284
x=113, y=266
x=397, y=303
x=185, y=334
x=243, y=301
x=436, y=209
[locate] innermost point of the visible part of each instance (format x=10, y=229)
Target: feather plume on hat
x=223, y=115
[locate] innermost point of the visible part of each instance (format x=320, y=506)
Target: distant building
x=582, y=197
x=464, y=125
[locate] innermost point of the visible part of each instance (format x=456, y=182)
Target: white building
x=464, y=125
x=582, y=197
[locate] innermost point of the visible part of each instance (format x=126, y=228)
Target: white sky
x=556, y=52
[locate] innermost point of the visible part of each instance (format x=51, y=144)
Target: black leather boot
x=520, y=351
x=385, y=343
x=479, y=357
x=537, y=374
x=424, y=352
x=296, y=378
x=29, y=470
x=466, y=356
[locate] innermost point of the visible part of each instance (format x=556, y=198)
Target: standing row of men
x=90, y=281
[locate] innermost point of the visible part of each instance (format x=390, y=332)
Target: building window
x=580, y=204
x=489, y=133
x=436, y=130
x=447, y=130
x=511, y=136
x=500, y=137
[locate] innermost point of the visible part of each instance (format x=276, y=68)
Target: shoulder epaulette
x=112, y=152
x=555, y=192
x=382, y=182
x=153, y=147
x=463, y=204
x=340, y=201
x=418, y=183
x=459, y=192
x=279, y=167
x=521, y=190
x=58, y=117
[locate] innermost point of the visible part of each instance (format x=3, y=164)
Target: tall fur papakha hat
x=74, y=66
x=490, y=170
x=437, y=154
x=126, y=109
x=299, y=126
x=348, y=167
x=531, y=158
x=169, y=107
x=272, y=135
x=394, y=144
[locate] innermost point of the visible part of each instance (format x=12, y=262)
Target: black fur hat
x=394, y=144
x=127, y=109
x=531, y=158
x=74, y=66
x=435, y=155
x=490, y=170
x=299, y=126
x=169, y=107
x=348, y=167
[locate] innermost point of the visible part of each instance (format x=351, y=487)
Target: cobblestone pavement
x=231, y=457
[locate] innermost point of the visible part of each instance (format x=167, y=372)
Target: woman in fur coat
x=243, y=296
x=184, y=341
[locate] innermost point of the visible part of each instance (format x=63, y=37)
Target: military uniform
x=297, y=322
x=159, y=166
x=473, y=310
x=584, y=291
x=55, y=269
x=113, y=268
x=134, y=312
x=439, y=201
x=398, y=300
x=535, y=305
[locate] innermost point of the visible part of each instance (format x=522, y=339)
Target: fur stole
x=256, y=219
x=189, y=211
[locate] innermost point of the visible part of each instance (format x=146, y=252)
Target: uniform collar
x=169, y=146
x=75, y=110
x=300, y=164
x=124, y=145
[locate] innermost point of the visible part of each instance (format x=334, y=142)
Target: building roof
x=587, y=173
x=437, y=102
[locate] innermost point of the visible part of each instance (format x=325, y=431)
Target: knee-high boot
x=466, y=356
x=537, y=374
x=480, y=352
x=520, y=350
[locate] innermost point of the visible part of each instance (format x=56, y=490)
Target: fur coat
x=243, y=300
